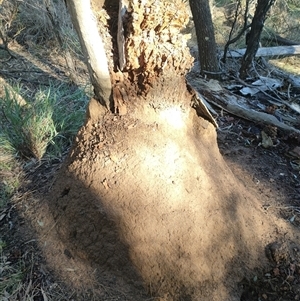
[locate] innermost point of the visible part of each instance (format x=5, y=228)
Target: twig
x=289, y=92
x=20, y=71
x=32, y=81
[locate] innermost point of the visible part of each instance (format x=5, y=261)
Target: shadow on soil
x=87, y=232
x=90, y=236
x=16, y=68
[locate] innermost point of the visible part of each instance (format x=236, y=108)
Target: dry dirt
x=85, y=248
x=159, y=215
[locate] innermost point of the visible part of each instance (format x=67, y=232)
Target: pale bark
x=93, y=48
x=281, y=51
x=121, y=39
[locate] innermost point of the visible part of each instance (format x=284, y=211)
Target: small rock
x=266, y=141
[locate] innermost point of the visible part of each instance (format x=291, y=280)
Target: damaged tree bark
x=149, y=190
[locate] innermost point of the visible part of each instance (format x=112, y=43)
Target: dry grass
x=283, y=19
x=35, y=24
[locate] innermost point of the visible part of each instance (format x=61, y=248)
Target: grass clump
x=36, y=124
x=47, y=121
x=9, y=171
x=29, y=128
x=6, y=153
x=68, y=116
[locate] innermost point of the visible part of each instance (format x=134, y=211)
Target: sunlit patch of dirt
x=146, y=205
x=84, y=252
x=176, y=229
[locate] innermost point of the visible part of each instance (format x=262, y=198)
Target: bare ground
x=75, y=258
x=89, y=274
x=79, y=270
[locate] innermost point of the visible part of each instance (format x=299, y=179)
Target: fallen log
x=234, y=104
x=279, y=51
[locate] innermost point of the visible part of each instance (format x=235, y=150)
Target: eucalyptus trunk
x=253, y=37
x=205, y=37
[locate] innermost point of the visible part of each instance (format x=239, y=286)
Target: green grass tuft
x=40, y=124
x=6, y=153
x=68, y=116
x=49, y=121
x=29, y=128
x=9, y=174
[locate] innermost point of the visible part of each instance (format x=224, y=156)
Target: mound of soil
x=92, y=253
x=145, y=206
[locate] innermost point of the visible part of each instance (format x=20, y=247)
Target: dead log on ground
x=234, y=104
x=279, y=51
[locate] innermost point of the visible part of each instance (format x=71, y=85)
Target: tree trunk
x=205, y=38
x=253, y=39
x=146, y=195
x=91, y=43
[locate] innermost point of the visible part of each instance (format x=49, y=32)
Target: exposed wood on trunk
x=154, y=44
x=280, y=51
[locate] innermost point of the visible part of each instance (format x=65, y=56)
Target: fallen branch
x=271, y=99
x=234, y=104
x=292, y=79
x=279, y=51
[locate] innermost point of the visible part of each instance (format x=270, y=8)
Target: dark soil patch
x=273, y=174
